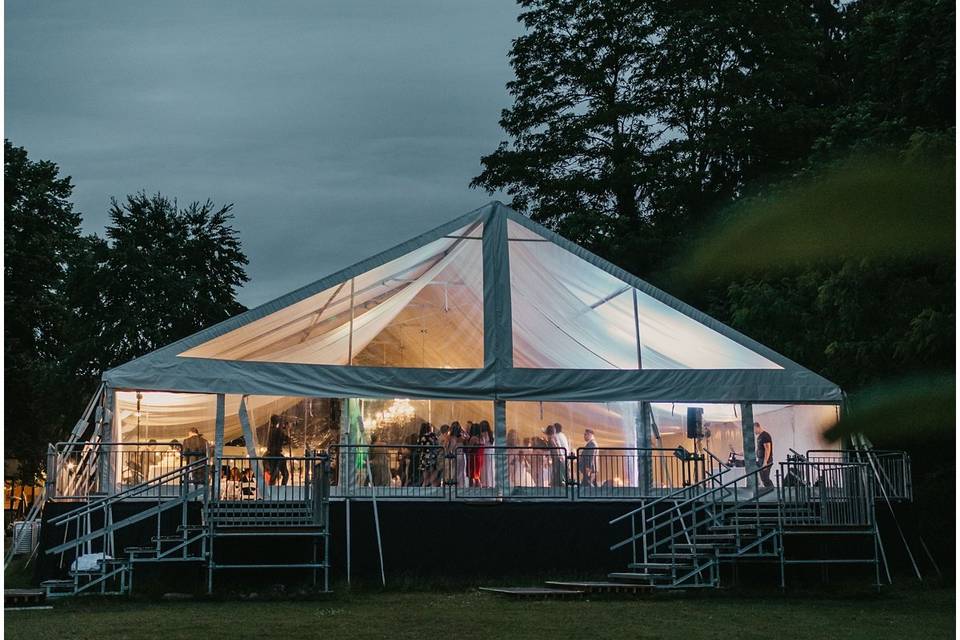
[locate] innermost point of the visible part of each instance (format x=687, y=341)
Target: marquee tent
x=489, y=309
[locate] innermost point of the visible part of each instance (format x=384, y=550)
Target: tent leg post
x=348, y=541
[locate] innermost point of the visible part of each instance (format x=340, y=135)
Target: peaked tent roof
x=200, y=363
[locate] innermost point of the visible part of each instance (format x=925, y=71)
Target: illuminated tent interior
x=489, y=310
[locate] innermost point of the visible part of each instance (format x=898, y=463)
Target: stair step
x=630, y=575
x=652, y=566
x=599, y=586
x=694, y=546
x=533, y=592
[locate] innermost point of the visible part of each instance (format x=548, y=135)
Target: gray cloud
x=337, y=128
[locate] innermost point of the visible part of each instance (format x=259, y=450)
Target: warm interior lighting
x=400, y=411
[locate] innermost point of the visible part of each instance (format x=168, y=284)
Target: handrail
x=158, y=443
x=679, y=505
x=722, y=463
x=673, y=495
x=99, y=503
x=859, y=451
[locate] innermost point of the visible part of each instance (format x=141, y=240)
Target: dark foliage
x=77, y=305
x=638, y=125
x=41, y=238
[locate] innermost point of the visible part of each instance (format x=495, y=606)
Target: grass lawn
x=470, y=614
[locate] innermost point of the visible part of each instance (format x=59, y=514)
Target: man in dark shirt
x=764, y=454
x=588, y=460
x=276, y=439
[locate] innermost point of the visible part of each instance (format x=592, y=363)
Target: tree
x=898, y=72
x=633, y=120
x=168, y=273
x=77, y=305
x=41, y=237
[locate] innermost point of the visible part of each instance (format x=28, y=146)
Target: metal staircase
x=254, y=520
x=91, y=529
x=681, y=539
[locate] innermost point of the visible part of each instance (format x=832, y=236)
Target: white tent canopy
x=489, y=306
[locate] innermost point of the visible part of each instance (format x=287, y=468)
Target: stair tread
x=596, y=584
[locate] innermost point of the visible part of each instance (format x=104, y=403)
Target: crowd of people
x=465, y=456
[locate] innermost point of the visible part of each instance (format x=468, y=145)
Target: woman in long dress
x=456, y=468
x=475, y=455
x=556, y=457
x=487, y=473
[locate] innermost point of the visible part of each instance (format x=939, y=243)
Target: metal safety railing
x=390, y=471
x=828, y=493
x=511, y=472
x=474, y=472
x=630, y=472
x=891, y=470
x=265, y=478
x=77, y=470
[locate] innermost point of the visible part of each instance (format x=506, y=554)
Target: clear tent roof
x=425, y=309
x=489, y=305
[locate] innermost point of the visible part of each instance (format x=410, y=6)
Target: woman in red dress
x=475, y=456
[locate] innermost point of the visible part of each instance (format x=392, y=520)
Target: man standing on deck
x=764, y=454
x=564, y=443
x=195, y=447
x=588, y=460
x=276, y=463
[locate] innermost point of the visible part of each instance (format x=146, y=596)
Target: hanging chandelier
x=400, y=411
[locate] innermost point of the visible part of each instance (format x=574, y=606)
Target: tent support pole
x=749, y=444
x=500, y=439
x=218, y=444
x=643, y=442
x=350, y=336
x=250, y=440
x=107, y=476
x=347, y=520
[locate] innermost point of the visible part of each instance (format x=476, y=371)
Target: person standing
x=487, y=471
x=475, y=454
x=557, y=457
x=564, y=443
x=456, y=463
x=429, y=458
x=764, y=454
x=588, y=460
x=195, y=447
x=276, y=439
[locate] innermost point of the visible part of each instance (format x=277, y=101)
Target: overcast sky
x=337, y=129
